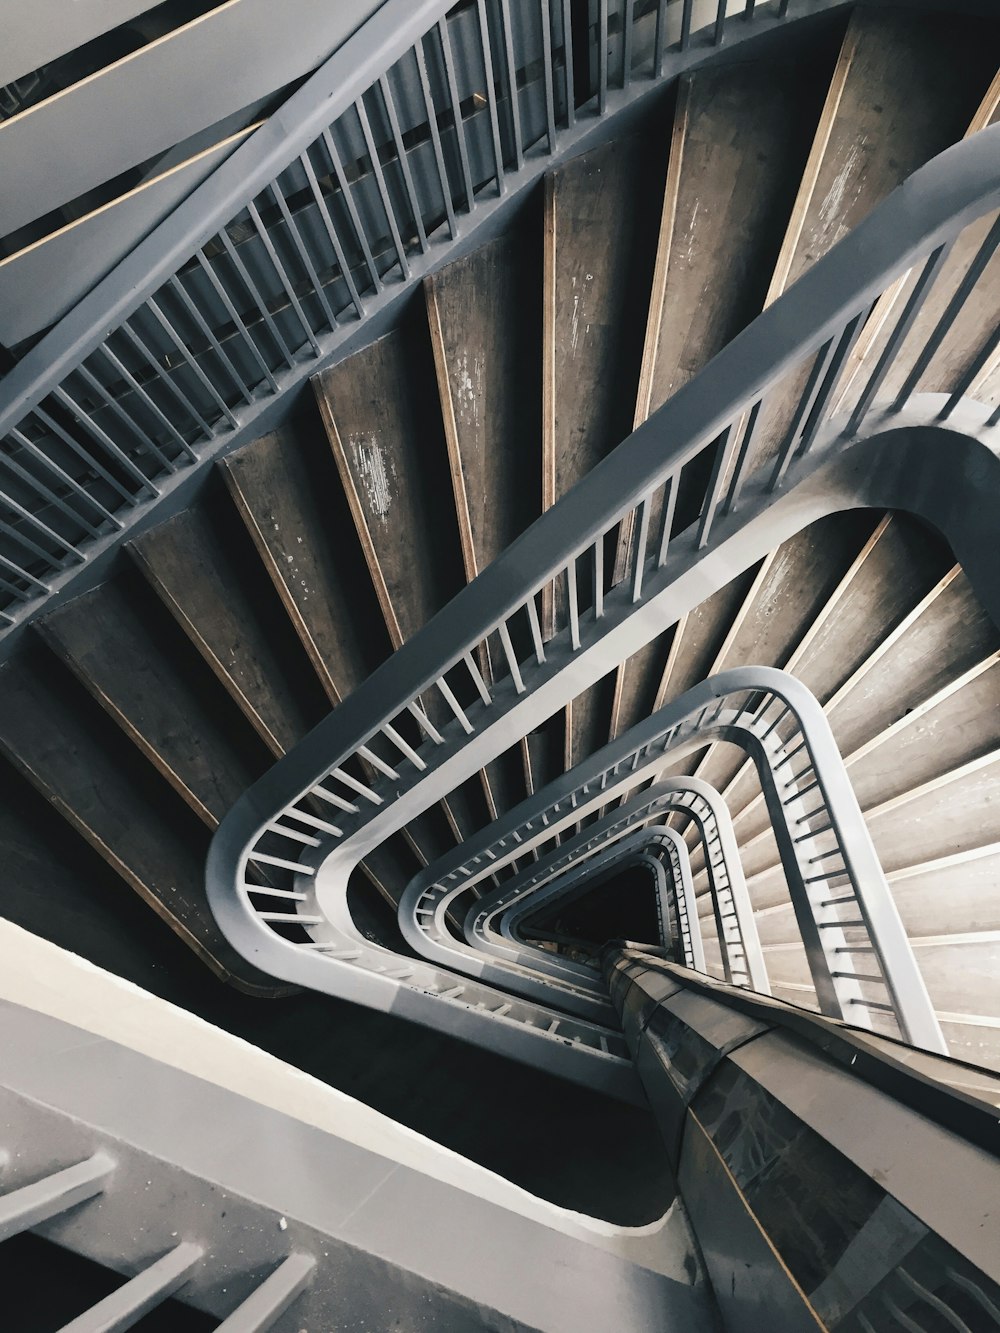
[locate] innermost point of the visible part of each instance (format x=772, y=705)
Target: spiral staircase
x=449, y=646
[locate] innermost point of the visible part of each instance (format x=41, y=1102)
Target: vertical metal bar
x=659, y=38
x=723, y=454
x=925, y=281
x=272, y=1298
x=19, y=572
x=120, y=369
x=136, y=1298
x=669, y=505
x=508, y=648
x=17, y=508
x=361, y=235
x=548, y=73
x=332, y=234
x=743, y=457
x=41, y=489
x=719, y=33
x=749, y=8
x=819, y=368
x=283, y=278
x=196, y=369
x=138, y=435
x=180, y=292
x=32, y=1204
x=536, y=630
x=602, y=57
x=983, y=357
x=256, y=297
x=383, y=188
x=573, y=605
x=454, y=705
x=491, y=93
x=628, y=36
x=817, y=413
x=234, y=315
x=295, y=236
x=477, y=678
x=639, y=550
x=167, y=383
x=515, y=105
x=567, y=17
x=448, y=56
x=598, y=549
x=404, y=162
x=432, y=125
x=113, y=449
x=974, y=272
x=87, y=457
x=686, y=24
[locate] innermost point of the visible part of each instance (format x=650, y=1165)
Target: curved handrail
x=784, y=730
x=441, y=660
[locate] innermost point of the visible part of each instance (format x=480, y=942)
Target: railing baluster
x=659, y=38
x=91, y=427
x=87, y=457
x=425, y=724
x=628, y=38
x=248, y=341
x=817, y=413
x=403, y=746
x=572, y=604
x=454, y=705
x=508, y=648
x=333, y=237
x=448, y=56
x=477, y=679
x=192, y=364
x=986, y=354
x=361, y=112
x=548, y=74
x=639, y=550
x=31, y=1205
x=567, y=18
x=295, y=236
x=404, y=163
x=940, y=331
x=719, y=32
x=264, y=1306
x=928, y=276
x=515, y=105
x=257, y=297
x=536, y=630
x=602, y=57
x=667, y=519
x=598, y=550
x=203, y=327
x=435, y=133
x=283, y=278
x=723, y=446
x=491, y=94
x=820, y=365
x=143, y=1293
x=40, y=489
x=120, y=369
x=139, y=436
x=686, y=10
x=347, y=196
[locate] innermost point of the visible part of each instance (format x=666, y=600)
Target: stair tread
x=291, y=512
x=486, y=337
x=129, y=817
x=197, y=578
x=102, y=638
x=741, y=138
x=386, y=434
x=873, y=133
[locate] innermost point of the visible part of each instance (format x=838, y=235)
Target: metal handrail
x=299, y=925
x=379, y=728
x=290, y=243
